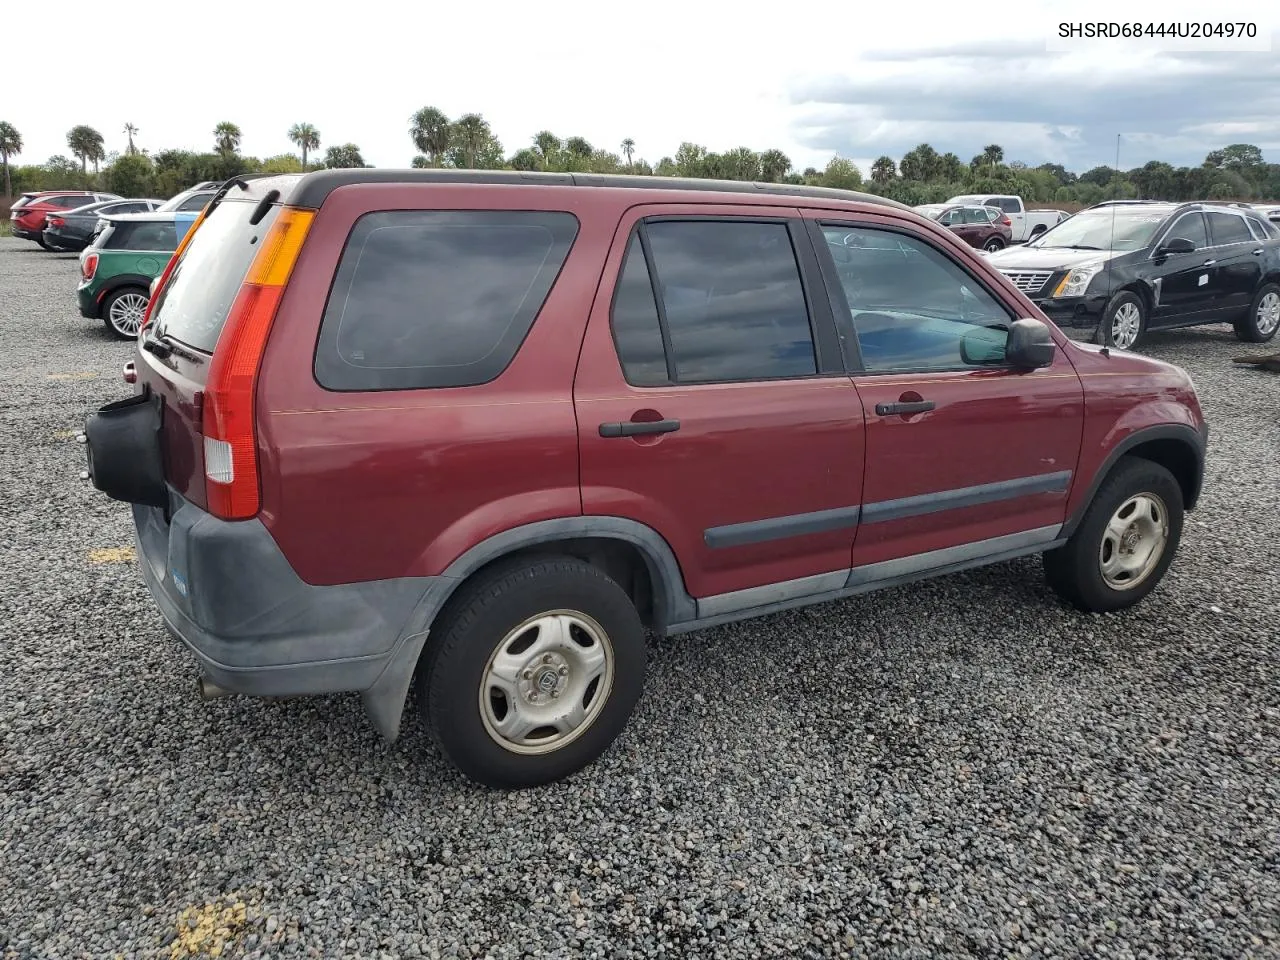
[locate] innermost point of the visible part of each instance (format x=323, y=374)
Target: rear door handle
x=635, y=428
x=890, y=409
x=1209, y=263
x=1258, y=252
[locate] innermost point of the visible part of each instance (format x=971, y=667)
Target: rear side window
x=143, y=236
x=195, y=203
x=1228, y=228
x=1259, y=229
x=192, y=306
x=426, y=299
x=732, y=305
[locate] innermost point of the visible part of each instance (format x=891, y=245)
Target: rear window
x=126, y=235
x=425, y=299
x=192, y=306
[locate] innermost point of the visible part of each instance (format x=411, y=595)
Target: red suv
x=485, y=429
x=27, y=216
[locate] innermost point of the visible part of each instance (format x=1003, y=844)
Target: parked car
x=73, y=231
x=1121, y=270
x=116, y=270
x=1055, y=217
x=27, y=215
x=192, y=200
x=825, y=394
x=985, y=228
x=1025, y=225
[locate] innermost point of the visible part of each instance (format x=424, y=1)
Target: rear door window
x=146, y=235
x=425, y=299
x=193, y=305
x=1228, y=228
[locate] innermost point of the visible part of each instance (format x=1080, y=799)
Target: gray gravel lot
x=961, y=768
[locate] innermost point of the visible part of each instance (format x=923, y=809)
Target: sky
x=816, y=79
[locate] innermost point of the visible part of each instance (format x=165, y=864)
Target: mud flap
x=122, y=446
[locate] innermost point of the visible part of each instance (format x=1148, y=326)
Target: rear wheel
x=1125, y=541
x=535, y=672
x=994, y=244
x=123, y=311
x=1263, y=319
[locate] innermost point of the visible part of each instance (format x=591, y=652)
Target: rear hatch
x=180, y=345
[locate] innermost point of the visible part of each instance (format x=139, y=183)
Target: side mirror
x=1176, y=245
x=984, y=346
x=1030, y=345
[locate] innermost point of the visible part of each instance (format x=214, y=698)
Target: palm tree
x=992, y=154
x=774, y=165
x=883, y=170
x=10, y=146
x=628, y=148
x=470, y=134
x=579, y=147
x=226, y=138
x=129, y=131
x=306, y=137
x=548, y=146
x=86, y=143
x=429, y=130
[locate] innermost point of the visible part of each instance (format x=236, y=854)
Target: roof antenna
x=1111, y=255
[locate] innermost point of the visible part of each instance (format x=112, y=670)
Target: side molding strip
x=965, y=497
x=777, y=528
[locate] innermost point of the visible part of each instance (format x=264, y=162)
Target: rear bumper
x=228, y=593
x=64, y=241
x=87, y=301
x=24, y=234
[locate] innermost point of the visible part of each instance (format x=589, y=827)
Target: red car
x=484, y=429
x=986, y=228
x=27, y=215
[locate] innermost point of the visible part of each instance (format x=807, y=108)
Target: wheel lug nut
x=528, y=674
x=564, y=670
x=546, y=658
x=555, y=694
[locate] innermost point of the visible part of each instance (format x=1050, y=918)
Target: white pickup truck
x=1026, y=225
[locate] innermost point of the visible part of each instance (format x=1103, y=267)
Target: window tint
x=950, y=218
x=993, y=214
x=69, y=203
x=976, y=215
x=637, y=332
x=1258, y=228
x=1228, y=228
x=144, y=235
x=1190, y=226
x=437, y=298
x=913, y=308
x=732, y=300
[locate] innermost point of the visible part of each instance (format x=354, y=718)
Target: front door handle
x=1209, y=263
x=900, y=408
x=1258, y=252
x=636, y=428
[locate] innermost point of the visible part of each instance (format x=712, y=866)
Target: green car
x=117, y=268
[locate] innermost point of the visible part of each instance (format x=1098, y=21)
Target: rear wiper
x=223, y=191
x=162, y=345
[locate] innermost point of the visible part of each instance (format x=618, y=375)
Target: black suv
x=1122, y=268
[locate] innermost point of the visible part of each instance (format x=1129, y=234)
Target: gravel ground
x=961, y=768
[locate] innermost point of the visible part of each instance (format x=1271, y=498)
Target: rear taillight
x=230, y=442
x=1005, y=221
x=55, y=221
x=89, y=266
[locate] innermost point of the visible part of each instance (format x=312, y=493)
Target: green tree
x=282, y=163
x=774, y=165
x=420, y=162
x=740, y=163
x=883, y=171
x=691, y=160
x=841, y=174
x=992, y=155
x=1240, y=157
x=131, y=176
x=10, y=146
x=431, y=131
x=129, y=131
x=306, y=138
x=472, y=145
x=628, y=148
x=226, y=138
x=920, y=164
x=526, y=158
x=548, y=147
x=86, y=144
x=346, y=155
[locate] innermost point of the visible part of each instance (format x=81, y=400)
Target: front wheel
x=535, y=672
x=1124, y=321
x=1263, y=319
x=123, y=312
x=1125, y=542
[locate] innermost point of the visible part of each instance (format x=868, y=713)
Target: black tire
x=115, y=299
x=479, y=621
x=43, y=246
x=1250, y=327
x=992, y=245
x=1074, y=570
x=1121, y=300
